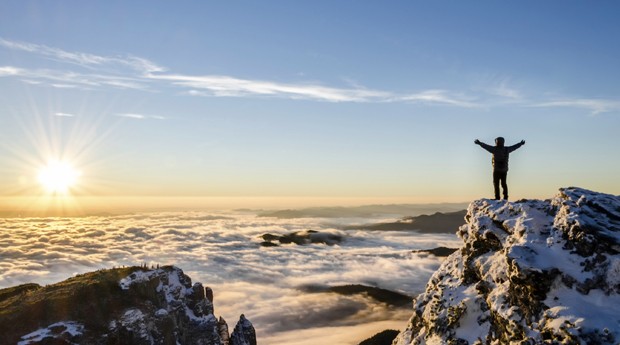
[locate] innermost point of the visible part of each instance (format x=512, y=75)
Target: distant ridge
x=434, y=223
x=397, y=210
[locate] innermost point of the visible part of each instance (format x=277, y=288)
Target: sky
x=322, y=101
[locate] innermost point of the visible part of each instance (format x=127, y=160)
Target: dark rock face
x=120, y=306
x=301, y=238
x=530, y=272
x=383, y=338
x=391, y=298
x=439, y=251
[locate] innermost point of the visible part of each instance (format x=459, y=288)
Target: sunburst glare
x=58, y=177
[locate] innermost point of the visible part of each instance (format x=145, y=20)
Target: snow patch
x=161, y=313
x=54, y=330
x=136, y=277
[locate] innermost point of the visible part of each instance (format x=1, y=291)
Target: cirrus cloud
x=136, y=73
x=595, y=106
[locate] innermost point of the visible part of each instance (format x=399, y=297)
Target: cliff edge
x=529, y=272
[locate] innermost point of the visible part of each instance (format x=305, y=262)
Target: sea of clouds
x=222, y=250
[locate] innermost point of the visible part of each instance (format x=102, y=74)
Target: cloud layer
x=223, y=252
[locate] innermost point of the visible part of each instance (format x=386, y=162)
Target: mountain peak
x=529, y=271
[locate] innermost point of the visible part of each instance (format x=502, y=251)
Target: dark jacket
x=500, y=155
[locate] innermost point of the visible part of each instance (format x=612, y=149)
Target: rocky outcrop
x=244, y=333
x=131, y=305
x=529, y=272
x=302, y=238
x=438, y=252
x=382, y=338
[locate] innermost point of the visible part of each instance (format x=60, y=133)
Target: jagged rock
x=244, y=333
x=529, y=272
x=132, y=306
x=209, y=294
x=222, y=328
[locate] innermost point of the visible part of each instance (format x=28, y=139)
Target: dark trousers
x=500, y=176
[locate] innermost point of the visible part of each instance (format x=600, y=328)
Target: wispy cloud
x=83, y=59
x=64, y=86
x=140, y=116
x=71, y=79
x=60, y=114
x=506, y=91
x=136, y=73
x=9, y=71
x=144, y=73
x=595, y=106
x=440, y=97
x=235, y=87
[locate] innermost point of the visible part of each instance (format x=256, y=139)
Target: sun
x=58, y=177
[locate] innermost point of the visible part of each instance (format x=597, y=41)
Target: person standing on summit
x=500, y=162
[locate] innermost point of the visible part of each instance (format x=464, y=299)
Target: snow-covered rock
x=244, y=333
x=529, y=272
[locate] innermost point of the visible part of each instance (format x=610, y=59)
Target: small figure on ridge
x=500, y=162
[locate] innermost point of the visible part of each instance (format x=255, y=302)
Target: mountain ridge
x=438, y=222
x=129, y=305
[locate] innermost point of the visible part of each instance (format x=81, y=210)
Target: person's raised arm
x=516, y=146
x=484, y=146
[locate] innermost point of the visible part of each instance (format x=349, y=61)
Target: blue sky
x=310, y=99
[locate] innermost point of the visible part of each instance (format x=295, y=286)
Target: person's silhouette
x=500, y=162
